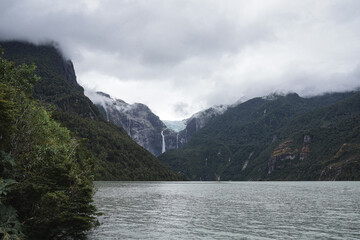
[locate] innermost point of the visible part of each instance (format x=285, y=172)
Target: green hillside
x=279, y=138
x=46, y=177
x=117, y=156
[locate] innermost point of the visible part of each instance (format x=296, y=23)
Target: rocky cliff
x=116, y=156
x=140, y=123
x=288, y=151
x=145, y=128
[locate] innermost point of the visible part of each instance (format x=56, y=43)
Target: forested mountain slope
x=46, y=176
x=277, y=138
x=117, y=156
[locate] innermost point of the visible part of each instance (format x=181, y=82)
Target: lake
x=228, y=210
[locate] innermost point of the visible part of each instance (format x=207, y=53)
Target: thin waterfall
x=163, y=142
x=107, y=115
x=106, y=111
x=177, y=140
x=129, y=126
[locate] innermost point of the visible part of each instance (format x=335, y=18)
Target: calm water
x=228, y=210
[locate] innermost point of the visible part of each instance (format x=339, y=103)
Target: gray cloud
x=198, y=53
x=181, y=109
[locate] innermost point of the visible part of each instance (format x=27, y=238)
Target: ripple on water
x=236, y=210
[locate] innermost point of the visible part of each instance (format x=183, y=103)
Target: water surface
x=228, y=210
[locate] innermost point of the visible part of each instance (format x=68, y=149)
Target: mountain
x=199, y=120
x=276, y=138
x=140, y=123
x=145, y=128
x=117, y=156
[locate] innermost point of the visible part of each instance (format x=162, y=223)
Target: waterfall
x=177, y=140
x=106, y=110
x=163, y=142
x=107, y=115
x=129, y=126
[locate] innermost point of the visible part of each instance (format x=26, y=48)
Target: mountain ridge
x=139, y=122
x=146, y=128
x=239, y=144
x=117, y=156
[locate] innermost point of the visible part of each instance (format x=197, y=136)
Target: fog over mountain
x=179, y=57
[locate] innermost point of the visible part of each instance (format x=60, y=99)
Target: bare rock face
x=287, y=151
x=140, y=123
x=145, y=128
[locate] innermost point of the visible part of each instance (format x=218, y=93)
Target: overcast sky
x=179, y=57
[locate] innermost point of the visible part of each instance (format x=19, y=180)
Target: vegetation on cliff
x=278, y=138
x=117, y=156
x=45, y=174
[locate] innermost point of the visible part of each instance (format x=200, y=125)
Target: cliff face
x=117, y=157
x=69, y=71
x=52, y=64
x=140, y=123
x=287, y=151
x=145, y=128
x=58, y=83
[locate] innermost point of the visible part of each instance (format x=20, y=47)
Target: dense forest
x=53, y=143
x=46, y=175
x=277, y=138
x=117, y=156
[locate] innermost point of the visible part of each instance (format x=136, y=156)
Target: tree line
x=46, y=176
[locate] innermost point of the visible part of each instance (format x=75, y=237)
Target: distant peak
x=103, y=94
x=276, y=95
x=217, y=110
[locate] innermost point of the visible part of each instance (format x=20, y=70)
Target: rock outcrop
x=145, y=128
x=140, y=123
x=117, y=156
x=287, y=151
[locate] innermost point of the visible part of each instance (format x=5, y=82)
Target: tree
x=10, y=226
x=51, y=189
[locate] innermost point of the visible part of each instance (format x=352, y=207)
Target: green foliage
x=10, y=226
x=16, y=84
x=49, y=173
x=117, y=156
x=248, y=134
x=9, y=114
x=345, y=165
x=54, y=178
x=330, y=127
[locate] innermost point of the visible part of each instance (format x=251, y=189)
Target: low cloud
x=181, y=109
x=181, y=56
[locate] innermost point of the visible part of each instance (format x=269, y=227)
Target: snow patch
x=106, y=101
x=217, y=110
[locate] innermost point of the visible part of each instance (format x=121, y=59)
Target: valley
x=276, y=137
x=179, y=119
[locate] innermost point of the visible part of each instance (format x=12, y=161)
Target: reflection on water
x=228, y=210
